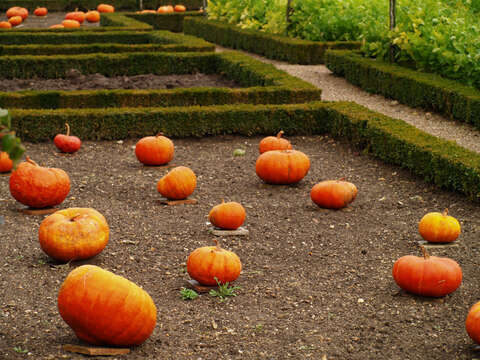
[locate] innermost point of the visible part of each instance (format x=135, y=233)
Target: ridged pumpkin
x=70, y=24
x=40, y=11
x=92, y=16
x=282, y=166
x=73, y=234
x=6, y=164
x=472, y=322
x=427, y=275
x=436, y=227
x=227, y=215
x=5, y=25
x=179, y=183
x=37, y=186
x=333, y=194
x=17, y=11
x=76, y=15
x=274, y=143
x=15, y=20
x=209, y=262
x=105, y=8
x=154, y=150
x=106, y=309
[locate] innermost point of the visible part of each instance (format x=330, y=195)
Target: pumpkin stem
x=424, y=251
x=223, y=201
x=76, y=217
x=159, y=134
x=68, y=129
x=280, y=133
x=445, y=212
x=342, y=179
x=31, y=161
x=217, y=244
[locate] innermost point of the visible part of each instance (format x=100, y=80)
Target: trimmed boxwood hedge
x=436, y=160
x=277, y=47
x=264, y=84
x=172, y=22
x=410, y=87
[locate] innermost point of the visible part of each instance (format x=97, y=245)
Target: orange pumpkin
x=105, y=8
x=427, y=275
x=227, y=215
x=472, y=323
x=70, y=24
x=56, y=26
x=40, y=11
x=6, y=164
x=274, y=143
x=282, y=166
x=179, y=183
x=333, y=194
x=73, y=234
x=17, y=11
x=37, y=186
x=439, y=228
x=76, y=15
x=167, y=9
x=154, y=150
x=92, y=16
x=15, y=20
x=104, y=308
x=179, y=8
x=5, y=25
x=209, y=262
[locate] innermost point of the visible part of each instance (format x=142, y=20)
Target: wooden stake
x=31, y=211
x=177, y=202
x=88, y=350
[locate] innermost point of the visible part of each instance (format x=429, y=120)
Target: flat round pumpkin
x=282, y=166
x=438, y=227
x=179, y=183
x=333, y=194
x=227, y=215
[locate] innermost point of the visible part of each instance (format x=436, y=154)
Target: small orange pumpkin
x=167, y=9
x=105, y=8
x=5, y=25
x=333, y=194
x=73, y=234
x=70, y=24
x=209, y=262
x=472, y=322
x=282, y=166
x=37, y=186
x=76, y=15
x=154, y=150
x=439, y=228
x=6, y=164
x=92, y=16
x=427, y=275
x=274, y=143
x=40, y=11
x=106, y=309
x=227, y=215
x=56, y=26
x=179, y=183
x=15, y=20
x=179, y=8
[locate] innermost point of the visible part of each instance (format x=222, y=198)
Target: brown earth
x=53, y=18
x=316, y=284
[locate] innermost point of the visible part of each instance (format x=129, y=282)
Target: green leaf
x=8, y=142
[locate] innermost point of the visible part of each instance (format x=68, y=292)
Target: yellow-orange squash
x=106, y=309
x=274, y=143
x=209, y=262
x=38, y=186
x=179, y=183
x=282, y=166
x=15, y=20
x=436, y=227
x=6, y=164
x=73, y=234
x=154, y=150
x=227, y=215
x=333, y=194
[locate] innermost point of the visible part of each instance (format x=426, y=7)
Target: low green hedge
x=294, y=51
x=263, y=83
x=410, y=87
x=172, y=22
x=154, y=41
x=189, y=4
x=73, y=37
x=441, y=162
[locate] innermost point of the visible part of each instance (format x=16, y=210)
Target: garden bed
x=315, y=283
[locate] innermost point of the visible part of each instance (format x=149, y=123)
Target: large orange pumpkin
x=104, y=308
x=73, y=234
x=472, y=323
x=154, y=150
x=92, y=16
x=167, y=9
x=40, y=11
x=179, y=183
x=5, y=25
x=38, y=186
x=282, y=166
x=76, y=15
x=17, y=11
x=436, y=227
x=6, y=164
x=105, y=8
x=209, y=262
x=180, y=8
x=227, y=215
x=15, y=20
x=274, y=143
x=333, y=194
x=427, y=275
x=70, y=24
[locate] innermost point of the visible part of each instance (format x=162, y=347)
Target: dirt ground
x=316, y=284
x=77, y=81
x=53, y=18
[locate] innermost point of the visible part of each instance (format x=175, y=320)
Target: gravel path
x=338, y=89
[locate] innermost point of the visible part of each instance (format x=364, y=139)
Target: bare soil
x=50, y=19
x=77, y=81
x=316, y=284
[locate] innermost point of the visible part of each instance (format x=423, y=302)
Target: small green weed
x=224, y=290
x=188, y=294
x=19, y=350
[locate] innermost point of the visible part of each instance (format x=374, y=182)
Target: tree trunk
x=392, y=26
